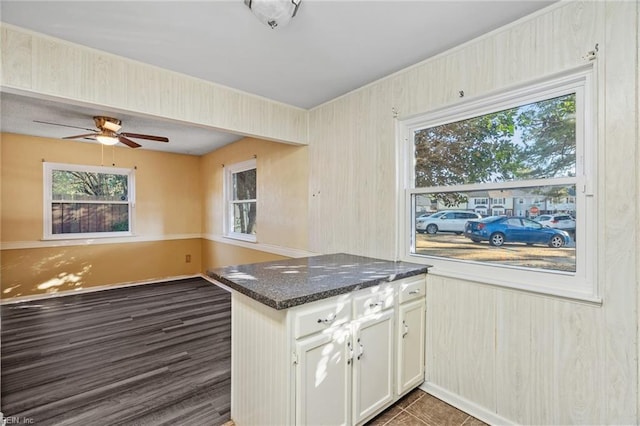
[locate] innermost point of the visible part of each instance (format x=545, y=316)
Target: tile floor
x=418, y=408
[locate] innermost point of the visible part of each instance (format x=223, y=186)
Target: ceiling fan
x=108, y=132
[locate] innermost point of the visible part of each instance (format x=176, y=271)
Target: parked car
x=445, y=221
x=504, y=229
x=558, y=221
x=423, y=216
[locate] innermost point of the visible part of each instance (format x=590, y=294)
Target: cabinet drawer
x=372, y=300
x=322, y=317
x=412, y=288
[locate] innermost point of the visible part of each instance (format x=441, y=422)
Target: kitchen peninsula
x=330, y=339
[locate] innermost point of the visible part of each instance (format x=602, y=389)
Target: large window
x=87, y=201
x=501, y=188
x=241, y=200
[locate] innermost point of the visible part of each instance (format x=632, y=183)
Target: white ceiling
x=328, y=49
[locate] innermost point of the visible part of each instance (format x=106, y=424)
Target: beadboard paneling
x=619, y=214
x=257, y=326
x=461, y=335
x=522, y=357
x=351, y=173
x=41, y=65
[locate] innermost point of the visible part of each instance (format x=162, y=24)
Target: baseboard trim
x=35, y=297
x=218, y=283
x=465, y=405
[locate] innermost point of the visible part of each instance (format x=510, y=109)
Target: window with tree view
x=503, y=187
x=241, y=194
x=87, y=201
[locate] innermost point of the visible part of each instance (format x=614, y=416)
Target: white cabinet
x=337, y=361
x=373, y=364
x=323, y=378
x=345, y=365
x=411, y=335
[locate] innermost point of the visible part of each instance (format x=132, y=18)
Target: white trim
x=465, y=405
x=47, y=199
x=581, y=285
x=238, y=236
x=470, y=274
x=228, y=201
x=218, y=283
x=19, y=245
x=43, y=296
x=267, y=248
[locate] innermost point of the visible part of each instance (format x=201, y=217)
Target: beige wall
x=27, y=272
x=503, y=354
x=178, y=200
x=168, y=212
x=167, y=185
x=216, y=254
x=282, y=174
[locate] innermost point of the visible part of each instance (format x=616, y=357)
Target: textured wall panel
x=48, y=66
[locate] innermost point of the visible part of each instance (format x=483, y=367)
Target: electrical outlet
x=187, y=258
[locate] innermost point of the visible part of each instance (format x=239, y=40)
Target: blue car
x=504, y=229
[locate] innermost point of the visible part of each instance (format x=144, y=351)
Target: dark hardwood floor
x=155, y=354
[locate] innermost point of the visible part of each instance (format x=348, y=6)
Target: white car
x=559, y=221
x=446, y=221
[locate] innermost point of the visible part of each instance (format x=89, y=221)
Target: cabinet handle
x=328, y=320
x=406, y=329
x=414, y=291
x=373, y=305
x=361, y=349
x=350, y=350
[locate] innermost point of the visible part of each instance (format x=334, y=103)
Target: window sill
x=242, y=237
x=101, y=235
x=539, y=283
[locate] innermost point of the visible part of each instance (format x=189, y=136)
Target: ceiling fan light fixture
x=274, y=13
x=107, y=139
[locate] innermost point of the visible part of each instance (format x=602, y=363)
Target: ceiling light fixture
x=107, y=138
x=274, y=13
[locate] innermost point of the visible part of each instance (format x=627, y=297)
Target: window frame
x=581, y=285
x=228, y=219
x=49, y=167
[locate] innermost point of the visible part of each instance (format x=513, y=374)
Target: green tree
x=69, y=184
x=527, y=142
x=549, y=135
x=476, y=150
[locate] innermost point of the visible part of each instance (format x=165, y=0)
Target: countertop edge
x=313, y=297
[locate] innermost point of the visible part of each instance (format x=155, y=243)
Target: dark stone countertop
x=292, y=282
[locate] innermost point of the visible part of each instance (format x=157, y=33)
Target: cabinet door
x=323, y=378
x=411, y=331
x=373, y=345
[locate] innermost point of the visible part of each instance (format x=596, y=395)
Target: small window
x=241, y=200
x=87, y=201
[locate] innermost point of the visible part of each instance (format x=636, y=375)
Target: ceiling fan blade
x=149, y=137
x=80, y=136
x=128, y=142
x=63, y=125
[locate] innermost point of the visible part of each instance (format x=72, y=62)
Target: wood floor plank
x=149, y=355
